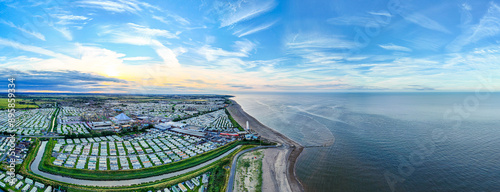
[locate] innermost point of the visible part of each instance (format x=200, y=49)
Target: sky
x=162, y=47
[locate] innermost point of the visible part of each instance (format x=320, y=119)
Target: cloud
x=243, y=49
x=352, y=20
x=212, y=54
x=119, y=6
x=65, y=32
x=246, y=31
x=177, y=18
x=145, y=31
x=361, y=20
x=32, y=33
x=134, y=34
x=168, y=56
x=488, y=26
x=420, y=88
x=321, y=41
x=140, y=35
x=137, y=58
x=240, y=86
x=424, y=22
x=233, y=13
x=393, y=47
x=66, y=19
x=244, y=46
x=29, y=48
x=380, y=13
x=72, y=81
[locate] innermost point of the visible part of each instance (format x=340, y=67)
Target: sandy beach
x=279, y=163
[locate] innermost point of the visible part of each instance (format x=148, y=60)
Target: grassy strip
x=20, y=104
x=258, y=188
x=236, y=124
x=53, y=120
x=217, y=181
x=47, y=166
x=158, y=185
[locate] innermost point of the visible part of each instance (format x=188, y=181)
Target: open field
x=20, y=104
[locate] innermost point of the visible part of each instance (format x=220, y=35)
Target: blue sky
x=244, y=46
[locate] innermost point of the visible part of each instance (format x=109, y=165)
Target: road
x=230, y=183
x=38, y=158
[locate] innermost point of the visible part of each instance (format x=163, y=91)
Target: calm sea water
x=407, y=141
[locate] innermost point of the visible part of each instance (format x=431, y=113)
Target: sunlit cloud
x=264, y=45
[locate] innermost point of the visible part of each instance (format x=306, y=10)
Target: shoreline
x=292, y=148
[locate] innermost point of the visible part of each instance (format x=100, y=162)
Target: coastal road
x=230, y=183
x=38, y=158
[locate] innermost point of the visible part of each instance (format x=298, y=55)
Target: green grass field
x=26, y=104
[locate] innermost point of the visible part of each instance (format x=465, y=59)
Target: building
x=122, y=119
x=230, y=134
x=101, y=125
x=188, y=132
x=169, y=125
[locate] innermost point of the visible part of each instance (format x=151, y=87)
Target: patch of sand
x=247, y=178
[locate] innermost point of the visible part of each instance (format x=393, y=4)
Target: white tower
x=248, y=128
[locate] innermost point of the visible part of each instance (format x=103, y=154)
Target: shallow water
x=407, y=141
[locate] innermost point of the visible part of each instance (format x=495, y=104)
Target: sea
x=388, y=141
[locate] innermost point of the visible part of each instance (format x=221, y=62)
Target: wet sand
x=275, y=175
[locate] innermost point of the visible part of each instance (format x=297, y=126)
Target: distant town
x=95, y=142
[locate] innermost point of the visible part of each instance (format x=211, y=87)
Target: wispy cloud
x=29, y=48
x=351, y=20
x=244, y=46
x=134, y=34
x=313, y=40
x=380, y=13
x=393, y=47
x=137, y=58
x=424, y=22
x=361, y=20
x=68, y=19
x=232, y=13
x=143, y=30
x=246, y=31
x=32, y=33
x=65, y=32
x=177, y=18
x=70, y=81
x=488, y=26
x=212, y=53
x=119, y=6
x=168, y=56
